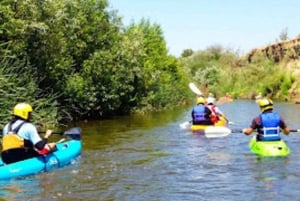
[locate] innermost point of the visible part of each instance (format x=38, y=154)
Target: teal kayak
x=269, y=148
x=65, y=154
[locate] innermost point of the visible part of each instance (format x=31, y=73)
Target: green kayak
x=269, y=148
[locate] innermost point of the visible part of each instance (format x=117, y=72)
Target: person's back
x=201, y=113
x=270, y=126
x=21, y=139
x=268, y=123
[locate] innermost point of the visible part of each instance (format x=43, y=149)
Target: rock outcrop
x=289, y=52
x=289, y=49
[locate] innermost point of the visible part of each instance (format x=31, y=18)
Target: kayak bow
x=269, y=148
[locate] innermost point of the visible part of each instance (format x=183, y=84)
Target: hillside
x=286, y=54
x=288, y=49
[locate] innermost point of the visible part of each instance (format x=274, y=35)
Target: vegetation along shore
x=75, y=60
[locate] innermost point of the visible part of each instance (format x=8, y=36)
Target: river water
x=150, y=158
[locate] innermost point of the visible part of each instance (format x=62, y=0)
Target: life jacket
x=12, y=140
x=199, y=113
x=270, y=127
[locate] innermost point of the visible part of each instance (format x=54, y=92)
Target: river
x=150, y=158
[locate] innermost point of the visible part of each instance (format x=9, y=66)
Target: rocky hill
x=288, y=49
x=287, y=53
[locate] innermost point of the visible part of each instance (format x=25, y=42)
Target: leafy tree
x=187, y=53
x=79, y=52
x=19, y=85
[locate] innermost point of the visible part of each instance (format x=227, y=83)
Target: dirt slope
x=288, y=53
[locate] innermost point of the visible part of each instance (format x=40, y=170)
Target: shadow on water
x=110, y=131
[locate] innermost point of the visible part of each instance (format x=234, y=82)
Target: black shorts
x=19, y=154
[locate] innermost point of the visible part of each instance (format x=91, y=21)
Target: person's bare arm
x=247, y=131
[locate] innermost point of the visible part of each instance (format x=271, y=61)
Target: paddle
x=61, y=140
x=295, y=130
x=223, y=132
x=195, y=89
x=215, y=132
x=185, y=125
x=73, y=133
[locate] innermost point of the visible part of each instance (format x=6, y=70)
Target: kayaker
x=201, y=113
x=21, y=139
x=215, y=111
x=268, y=123
x=228, y=96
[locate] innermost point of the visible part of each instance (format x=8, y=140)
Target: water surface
x=145, y=158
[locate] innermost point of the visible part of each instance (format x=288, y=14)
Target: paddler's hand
x=51, y=146
x=247, y=131
x=48, y=134
x=48, y=148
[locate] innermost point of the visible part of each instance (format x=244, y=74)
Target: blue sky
x=197, y=24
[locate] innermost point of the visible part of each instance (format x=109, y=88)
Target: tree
x=283, y=34
x=187, y=53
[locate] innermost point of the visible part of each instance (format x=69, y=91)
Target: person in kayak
x=21, y=139
x=228, y=96
x=268, y=124
x=201, y=113
x=216, y=113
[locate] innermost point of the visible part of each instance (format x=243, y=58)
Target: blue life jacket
x=199, y=113
x=270, y=122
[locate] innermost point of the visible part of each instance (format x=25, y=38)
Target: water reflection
x=269, y=177
x=22, y=188
x=45, y=186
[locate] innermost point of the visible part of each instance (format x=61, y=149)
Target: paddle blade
x=195, y=89
x=73, y=133
x=185, y=125
x=216, y=131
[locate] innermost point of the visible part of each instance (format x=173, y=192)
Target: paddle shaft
x=238, y=130
x=54, y=132
x=73, y=133
x=223, y=132
x=75, y=130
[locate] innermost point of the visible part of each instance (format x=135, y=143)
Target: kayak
x=65, y=154
x=218, y=126
x=229, y=99
x=269, y=148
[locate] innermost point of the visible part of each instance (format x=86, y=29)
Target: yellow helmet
x=200, y=100
x=22, y=110
x=265, y=104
